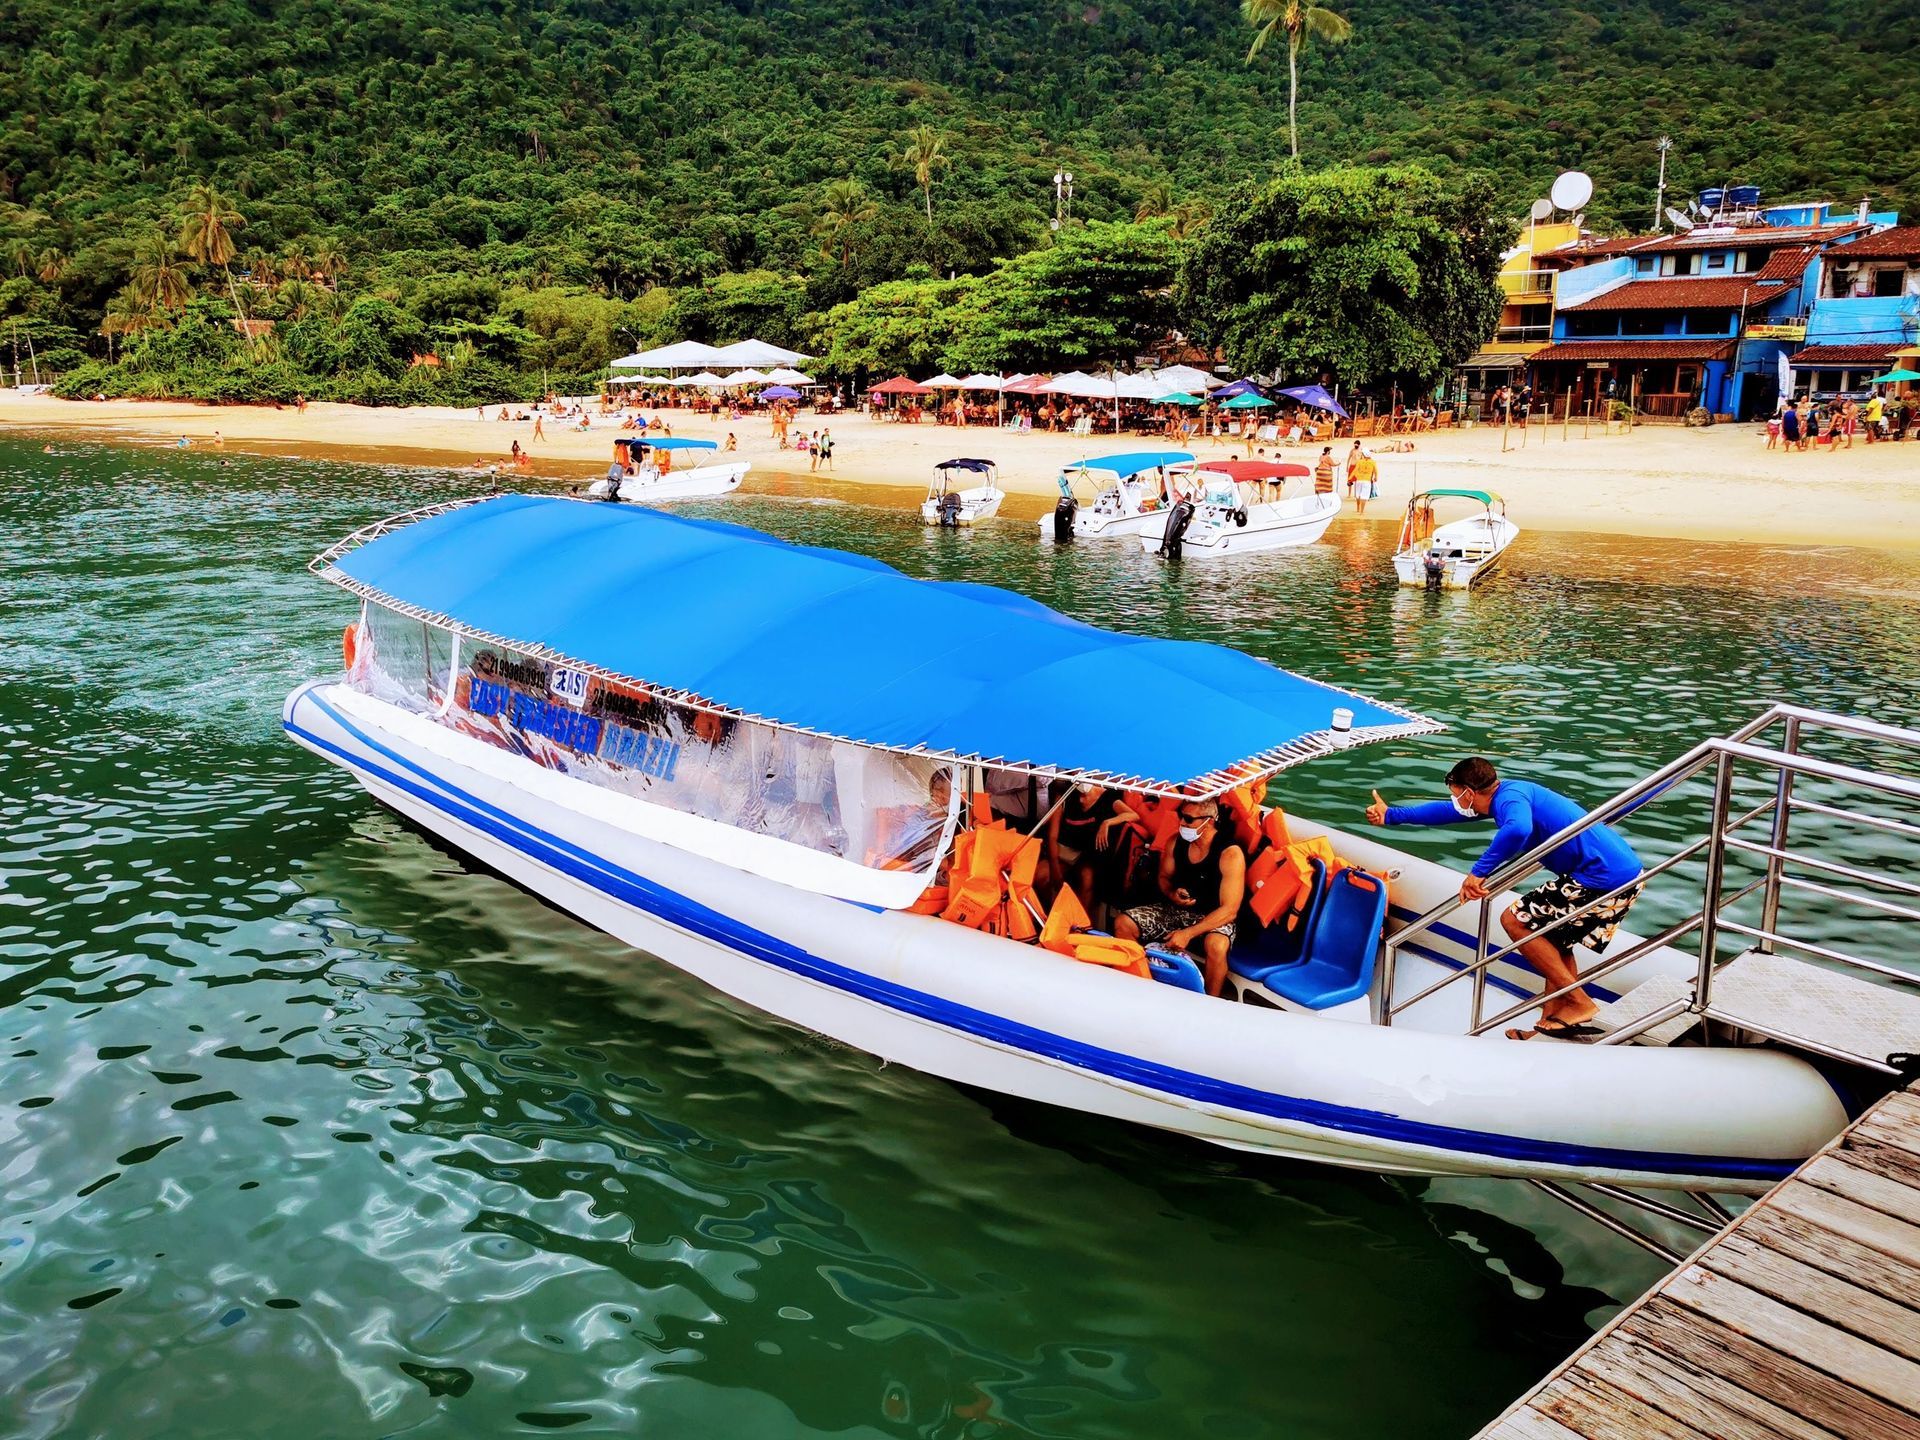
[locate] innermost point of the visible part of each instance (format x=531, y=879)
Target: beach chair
x=1269, y=433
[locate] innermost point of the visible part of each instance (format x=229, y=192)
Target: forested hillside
x=621, y=145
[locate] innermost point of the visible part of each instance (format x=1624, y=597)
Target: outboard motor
x=1063, y=512
x=1435, y=565
x=1173, y=537
x=950, y=510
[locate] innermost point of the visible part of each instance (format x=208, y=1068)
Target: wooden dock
x=1801, y=1319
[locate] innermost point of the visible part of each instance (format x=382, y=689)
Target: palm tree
x=263, y=271
x=1298, y=21
x=124, y=316
x=207, y=227
x=296, y=263
x=297, y=297
x=21, y=256
x=159, y=280
x=844, y=211
x=329, y=262
x=925, y=153
x=1156, y=200
x=50, y=265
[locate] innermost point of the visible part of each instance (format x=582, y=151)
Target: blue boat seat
x=1341, y=944
x=1282, y=944
x=1177, y=970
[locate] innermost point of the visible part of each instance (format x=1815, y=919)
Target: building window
x=1742, y=261
x=1717, y=260
x=1643, y=265
x=1889, y=282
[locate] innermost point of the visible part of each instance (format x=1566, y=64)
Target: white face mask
x=1464, y=807
x=1189, y=833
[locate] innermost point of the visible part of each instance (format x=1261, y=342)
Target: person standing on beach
x=823, y=451
x=1790, y=435
x=1323, y=482
x=539, y=430
x=813, y=452
x=1363, y=480
x=1847, y=423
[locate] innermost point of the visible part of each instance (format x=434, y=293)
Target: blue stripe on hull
x=679, y=910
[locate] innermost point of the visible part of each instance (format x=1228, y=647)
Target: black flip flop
x=1558, y=1030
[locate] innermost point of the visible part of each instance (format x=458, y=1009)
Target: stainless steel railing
x=1723, y=756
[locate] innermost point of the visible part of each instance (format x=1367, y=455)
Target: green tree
x=1296, y=21
x=1097, y=295
x=208, y=224
x=845, y=210
x=158, y=279
x=925, y=154
x=891, y=328
x=1361, y=274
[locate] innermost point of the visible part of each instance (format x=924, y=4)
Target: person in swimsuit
x=1203, y=878
x=1080, y=832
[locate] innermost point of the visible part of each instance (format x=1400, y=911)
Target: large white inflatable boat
x=739, y=756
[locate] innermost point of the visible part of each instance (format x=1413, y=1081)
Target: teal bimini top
x=840, y=645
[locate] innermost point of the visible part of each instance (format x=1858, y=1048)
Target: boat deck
x=1800, y=1319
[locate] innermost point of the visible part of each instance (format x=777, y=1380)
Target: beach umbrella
x=1315, y=396
x=705, y=377
x=1238, y=387
x=942, y=381
x=1028, y=385
x=780, y=392
x=1180, y=397
x=745, y=377
x=1248, y=401
x=1895, y=377
x=785, y=375
x=981, y=381
x=899, y=385
x=1186, y=377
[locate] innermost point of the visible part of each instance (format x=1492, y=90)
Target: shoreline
x=1657, y=482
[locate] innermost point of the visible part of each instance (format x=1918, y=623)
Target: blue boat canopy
x=1133, y=463
x=836, y=644
x=668, y=442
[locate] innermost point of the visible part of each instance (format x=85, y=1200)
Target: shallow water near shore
x=310, y=1129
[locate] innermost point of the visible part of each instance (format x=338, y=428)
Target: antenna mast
x=1663, y=144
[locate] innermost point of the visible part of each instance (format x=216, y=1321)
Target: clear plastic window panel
x=876, y=808
x=391, y=661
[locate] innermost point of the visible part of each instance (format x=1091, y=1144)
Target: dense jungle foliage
x=536, y=185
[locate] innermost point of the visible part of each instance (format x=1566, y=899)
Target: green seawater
x=308, y=1129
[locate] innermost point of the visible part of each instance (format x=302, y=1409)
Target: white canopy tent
x=682, y=355
x=745, y=377
x=754, y=352
x=1082, y=386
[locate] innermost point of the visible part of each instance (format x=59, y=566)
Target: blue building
x=1865, y=311
x=1671, y=322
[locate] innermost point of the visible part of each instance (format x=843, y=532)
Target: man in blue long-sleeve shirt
x=1593, y=864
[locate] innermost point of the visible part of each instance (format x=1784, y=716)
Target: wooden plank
x=1784, y=1380
x=1861, y=1363
x=1694, y=1396
x=1900, y=1110
x=1873, y=1228
x=1526, y=1423
x=1876, y=1127
x=1832, y=1172
x=1833, y=1252
x=1598, y=1411
x=1825, y=1297
x=1888, y=1160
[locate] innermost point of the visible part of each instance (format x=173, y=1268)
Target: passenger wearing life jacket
x=1202, y=881
x=1081, y=830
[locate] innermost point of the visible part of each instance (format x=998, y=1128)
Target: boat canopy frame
x=1284, y=755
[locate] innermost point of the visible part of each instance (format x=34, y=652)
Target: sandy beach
x=1657, y=481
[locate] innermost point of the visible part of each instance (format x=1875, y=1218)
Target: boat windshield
x=877, y=808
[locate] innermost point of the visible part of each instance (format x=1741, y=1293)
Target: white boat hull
x=1468, y=549
x=1274, y=525
x=988, y=1012
x=1088, y=525
x=980, y=503
x=701, y=483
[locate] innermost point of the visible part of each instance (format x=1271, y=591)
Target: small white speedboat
x=1129, y=492
x=649, y=477
x=1227, y=514
x=740, y=789
x=1454, y=555
x=948, y=506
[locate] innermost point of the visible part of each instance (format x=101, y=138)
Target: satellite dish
x=1679, y=219
x=1543, y=209
x=1572, y=190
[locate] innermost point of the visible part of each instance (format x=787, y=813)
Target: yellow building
x=1526, y=320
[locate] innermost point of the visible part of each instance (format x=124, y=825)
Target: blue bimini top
x=836, y=644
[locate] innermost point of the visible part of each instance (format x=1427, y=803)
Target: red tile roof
x=1679, y=293
x=1677, y=349
x=1899, y=242
x=1839, y=355
x=1744, y=237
